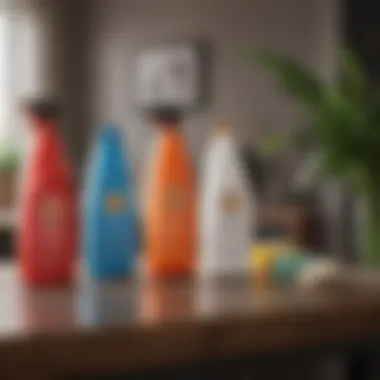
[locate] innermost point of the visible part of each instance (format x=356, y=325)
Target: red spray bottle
x=47, y=239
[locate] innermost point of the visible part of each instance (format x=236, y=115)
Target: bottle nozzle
x=222, y=128
x=168, y=117
x=44, y=109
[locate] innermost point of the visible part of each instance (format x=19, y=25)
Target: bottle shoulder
x=172, y=161
x=222, y=156
x=49, y=177
x=224, y=171
x=108, y=163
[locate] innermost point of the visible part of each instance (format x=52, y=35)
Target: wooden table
x=129, y=327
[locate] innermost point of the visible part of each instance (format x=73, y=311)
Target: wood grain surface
x=133, y=325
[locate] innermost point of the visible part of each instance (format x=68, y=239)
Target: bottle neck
x=168, y=128
x=41, y=125
x=45, y=131
x=167, y=125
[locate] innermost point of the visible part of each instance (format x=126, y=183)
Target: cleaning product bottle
x=110, y=225
x=226, y=209
x=170, y=204
x=47, y=236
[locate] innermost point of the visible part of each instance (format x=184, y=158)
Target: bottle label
x=230, y=202
x=174, y=199
x=115, y=203
x=51, y=217
x=175, y=221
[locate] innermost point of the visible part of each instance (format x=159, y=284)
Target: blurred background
x=85, y=53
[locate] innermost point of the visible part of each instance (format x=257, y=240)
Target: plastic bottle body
x=47, y=236
x=170, y=209
x=110, y=225
x=226, y=211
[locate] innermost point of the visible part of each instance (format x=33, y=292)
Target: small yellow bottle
x=262, y=257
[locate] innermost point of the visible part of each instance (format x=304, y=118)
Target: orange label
x=174, y=199
x=115, y=203
x=50, y=210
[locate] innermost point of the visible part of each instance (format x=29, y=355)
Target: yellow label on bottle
x=231, y=202
x=115, y=203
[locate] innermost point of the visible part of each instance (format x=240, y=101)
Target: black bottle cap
x=166, y=115
x=43, y=108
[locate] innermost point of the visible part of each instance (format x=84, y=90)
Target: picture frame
x=172, y=75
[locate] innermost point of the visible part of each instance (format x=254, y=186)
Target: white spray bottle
x=227, y=209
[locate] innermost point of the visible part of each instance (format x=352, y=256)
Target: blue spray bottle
x=110, y=225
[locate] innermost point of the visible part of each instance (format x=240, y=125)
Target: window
x=4, y=68
x=18, y=68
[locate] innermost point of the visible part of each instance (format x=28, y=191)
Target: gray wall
x=240, y=95
x=88, y=59
x=308, y=30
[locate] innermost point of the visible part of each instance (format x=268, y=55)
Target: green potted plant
x=341, y=128
x=9, y=165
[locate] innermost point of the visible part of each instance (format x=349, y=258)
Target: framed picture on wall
x=171, y=75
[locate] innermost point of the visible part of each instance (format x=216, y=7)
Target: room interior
x=85, y=53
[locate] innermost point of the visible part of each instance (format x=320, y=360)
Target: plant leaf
x=310, y=171
x=275, y=144
x=10, y=157
x=295, y=78
x=344, y=115
x=352, y=78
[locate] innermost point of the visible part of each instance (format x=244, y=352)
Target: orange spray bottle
x=48, y=211
x=170, y=203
